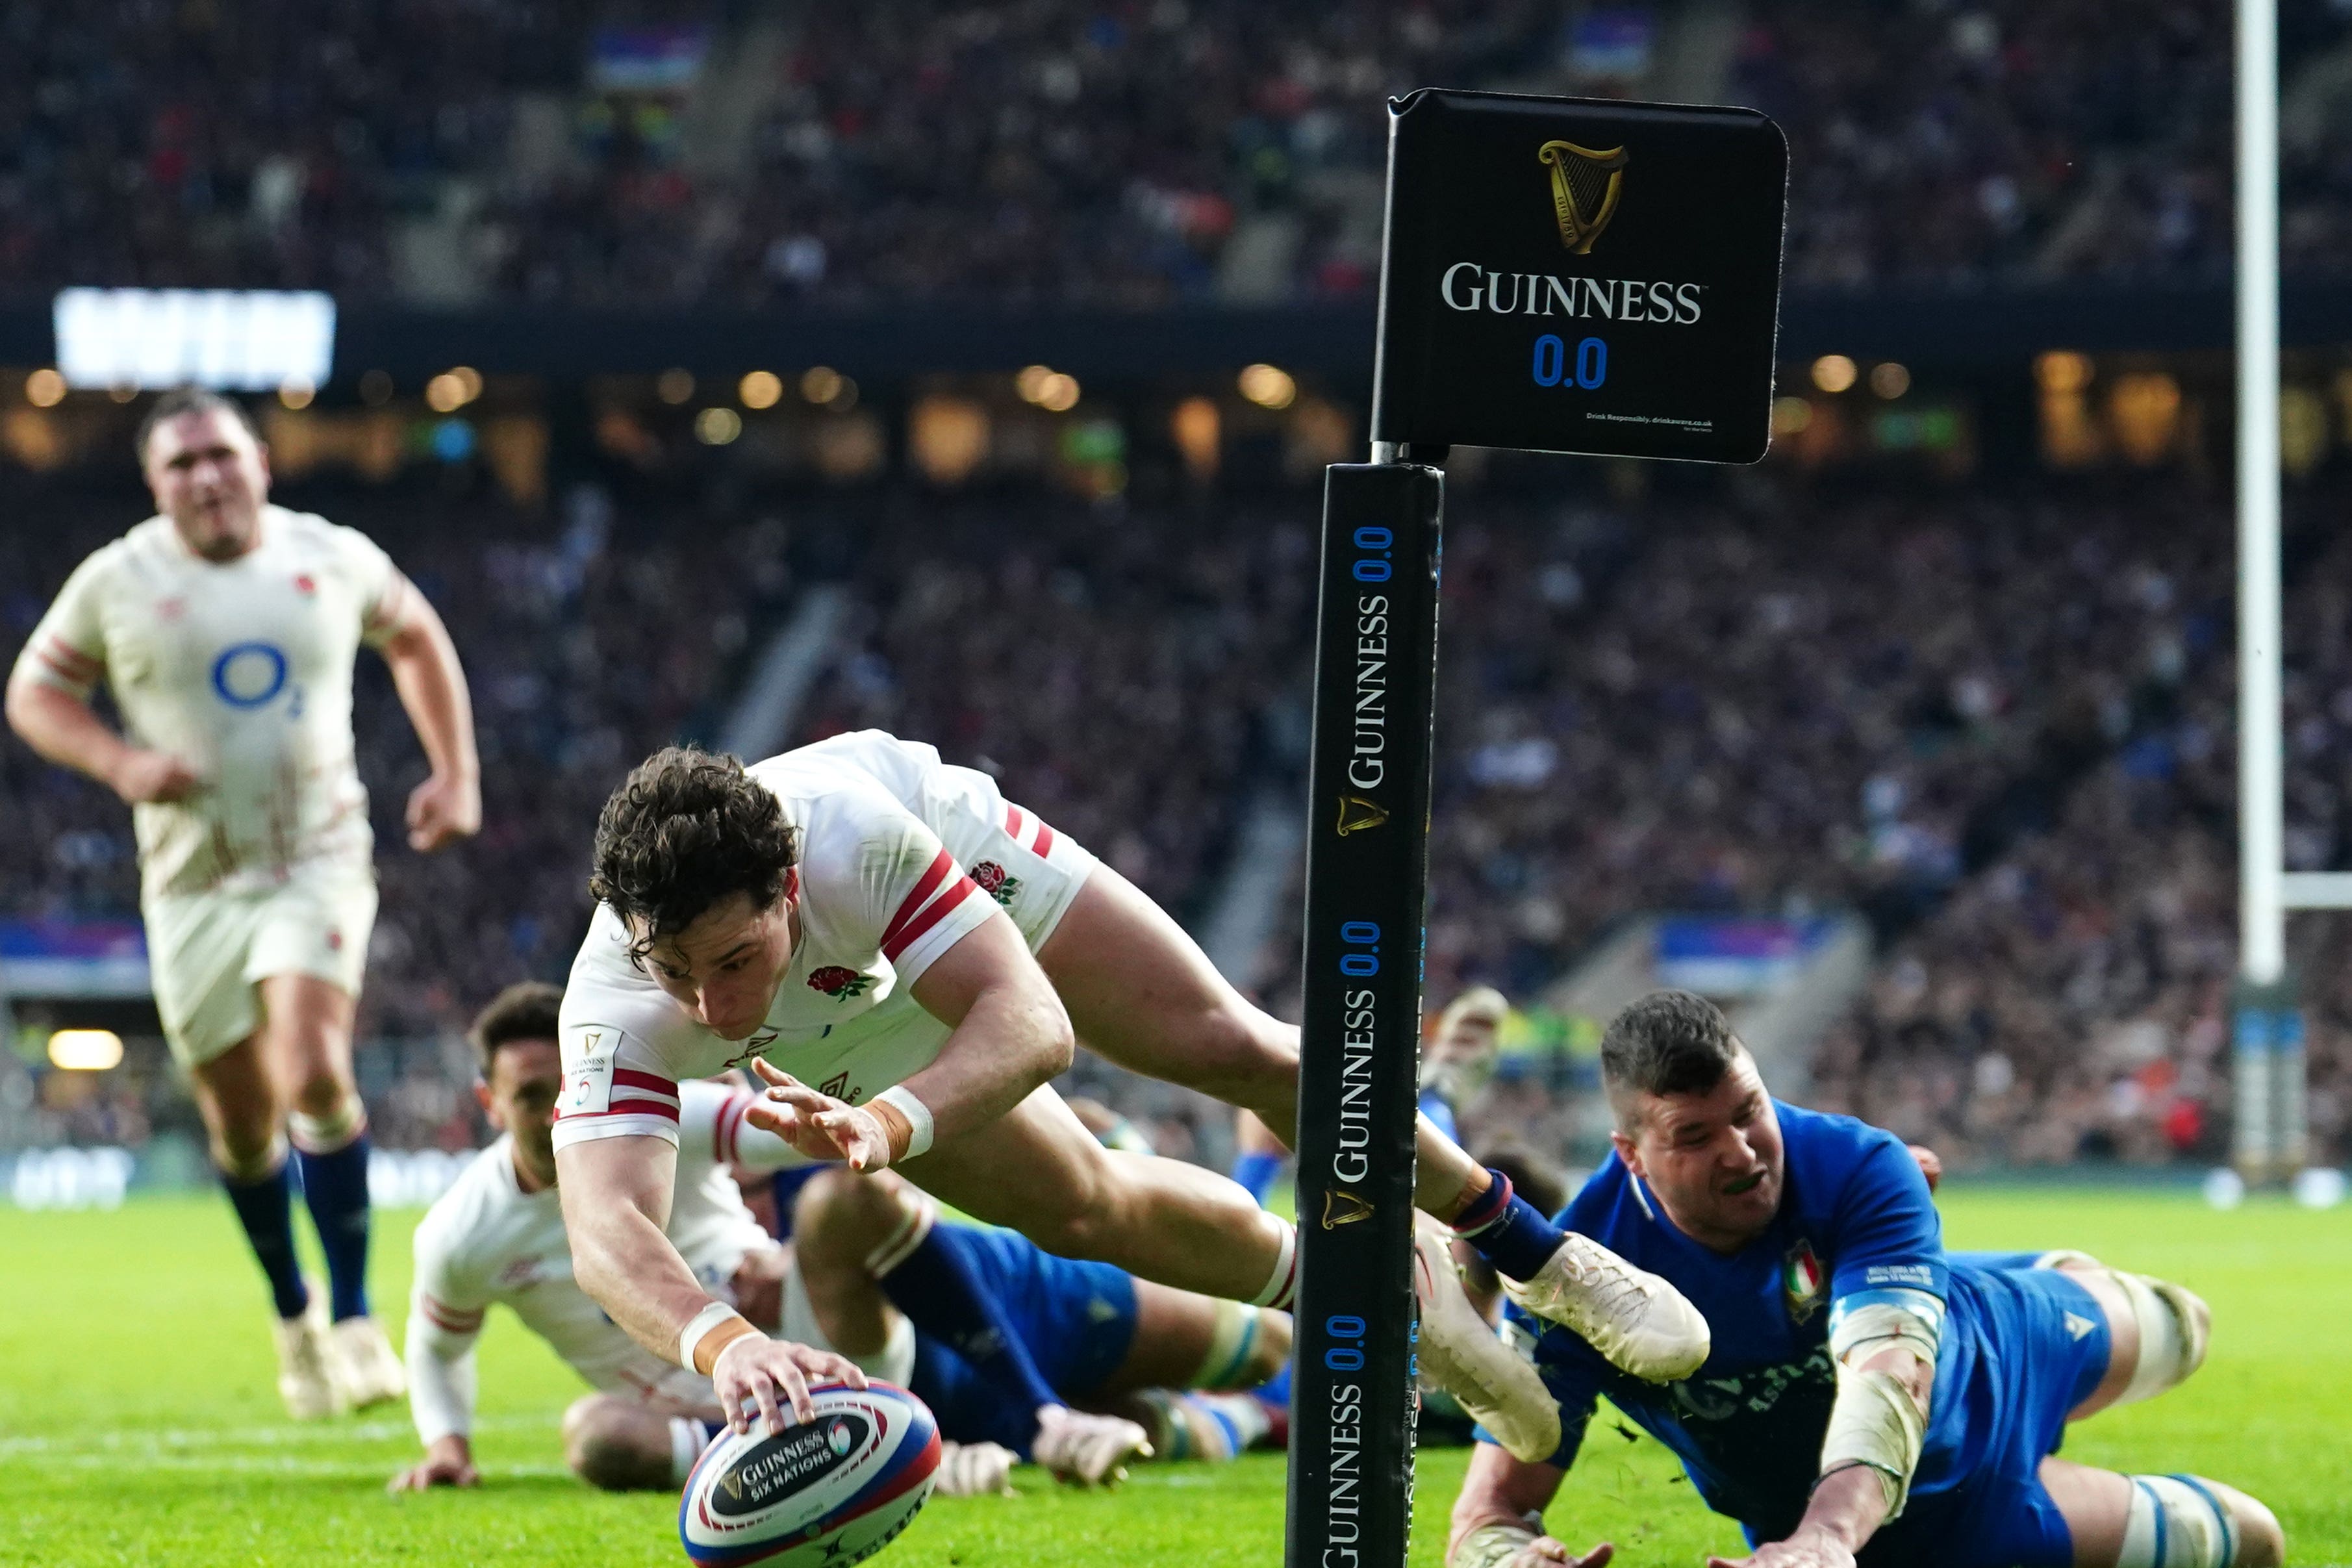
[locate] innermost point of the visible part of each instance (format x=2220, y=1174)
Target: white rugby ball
x=833, y=1491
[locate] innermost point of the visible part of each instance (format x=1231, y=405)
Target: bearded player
x=1869, y=1399
x=226, y=629
x=906, y=958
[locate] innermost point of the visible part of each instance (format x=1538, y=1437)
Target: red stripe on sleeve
x=942, y=866
x=630, y=1078
x=1044, y=845
x=72, y=655
x=622, y=1108
x=449, y=1318
x=964, y=888
x=731, y=1127
x=61, y=669
x=1014, y=821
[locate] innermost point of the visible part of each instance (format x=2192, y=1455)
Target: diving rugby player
x=226, y=628
x=906, y=958
x=1869, y=1399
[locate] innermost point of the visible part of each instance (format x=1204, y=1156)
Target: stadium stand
x=1964, y=711
x=1074, y=152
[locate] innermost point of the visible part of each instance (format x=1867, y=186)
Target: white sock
x=688, y=1438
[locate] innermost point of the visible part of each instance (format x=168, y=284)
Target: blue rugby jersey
x=1856, y=1216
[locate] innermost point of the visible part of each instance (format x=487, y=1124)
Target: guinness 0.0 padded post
x=1352, y=1400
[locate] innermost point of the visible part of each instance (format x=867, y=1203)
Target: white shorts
x=206, y=951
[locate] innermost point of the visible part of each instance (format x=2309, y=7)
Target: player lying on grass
x=1868, y=1397
x=226, y=628
x=497, y=1236
x=1166, y=1366
x=918, y=954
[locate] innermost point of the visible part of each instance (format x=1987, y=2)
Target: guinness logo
x=1357, y=814
x=1585, y=183
x=1341, y=1207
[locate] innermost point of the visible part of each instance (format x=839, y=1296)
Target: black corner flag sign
x=1565, y=276
x=1574, y=275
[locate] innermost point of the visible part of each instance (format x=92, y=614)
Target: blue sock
x=1507, y=1231
x=939, y=1287
x=266, y=1209
x=1256, y=1171
x=336, y=1187
x=2007, y=1261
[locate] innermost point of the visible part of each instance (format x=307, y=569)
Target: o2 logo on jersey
x=248, y=674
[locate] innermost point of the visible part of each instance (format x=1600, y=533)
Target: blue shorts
x=2045, y=1362
x=1075, y=1319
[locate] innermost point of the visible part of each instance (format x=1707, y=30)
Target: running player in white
x=496, y=1236
x=226, y=628
x=919, y=954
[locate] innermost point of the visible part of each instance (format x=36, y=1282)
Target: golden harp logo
x=1341, y=1207
x=1585, y=183
x=1357, y=814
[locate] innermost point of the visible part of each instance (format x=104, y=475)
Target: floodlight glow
x=229, y=338
x=86, y=1050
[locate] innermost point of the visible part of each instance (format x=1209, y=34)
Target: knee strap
x=1226, y=1366
x=2171, y=1345
x=326, y=1134
x=258, y=1168
x=2176, y=1522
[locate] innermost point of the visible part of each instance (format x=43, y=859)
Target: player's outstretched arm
x=616, y=1193
x=432, y=687
x=61, y=727
x=1498, y=1517
x=1010, y=1035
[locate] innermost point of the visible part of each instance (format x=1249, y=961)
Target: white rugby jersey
x=487, y=1240
x=884, y=827
x=243, y=669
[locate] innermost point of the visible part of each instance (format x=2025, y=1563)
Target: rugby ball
x=833, y=1491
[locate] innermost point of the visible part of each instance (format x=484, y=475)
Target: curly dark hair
x=527, y=1010
x=685, y=831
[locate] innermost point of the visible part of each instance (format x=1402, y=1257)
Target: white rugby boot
x=305, y=1381
x=1460, y=1353
x=1640, y=1322
x=1088, y=1450
x=365, y=1368
x=976, y=1469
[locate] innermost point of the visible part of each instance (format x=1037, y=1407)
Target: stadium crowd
x=1074, y=151
x=1966, y=711
x=2074, y=997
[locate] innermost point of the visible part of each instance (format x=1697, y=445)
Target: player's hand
x=449, y=1462
x=443, y=807
x=1546, y=1552
x=1931, y=1164
x=816, y=1123
x=760, y=1377
x=1806, y=1548
x=144, y=777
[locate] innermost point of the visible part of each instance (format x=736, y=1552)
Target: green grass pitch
x=138, y=1424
